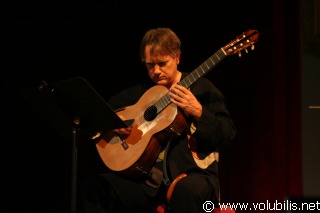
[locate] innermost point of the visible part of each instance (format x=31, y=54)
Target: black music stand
x=70, y=106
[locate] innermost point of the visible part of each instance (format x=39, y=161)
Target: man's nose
x=157, y=68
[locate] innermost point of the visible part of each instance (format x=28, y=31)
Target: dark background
x=99, y=40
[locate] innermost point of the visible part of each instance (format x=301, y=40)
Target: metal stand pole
x=74, y=166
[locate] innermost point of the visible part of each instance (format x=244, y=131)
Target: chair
x=164, y=208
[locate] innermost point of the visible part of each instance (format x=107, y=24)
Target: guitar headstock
x=242, y=42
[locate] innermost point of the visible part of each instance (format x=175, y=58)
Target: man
x=192, y=152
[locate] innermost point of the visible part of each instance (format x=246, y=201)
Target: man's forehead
x=157, y=57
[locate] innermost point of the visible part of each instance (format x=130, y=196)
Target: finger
x=181, y=88
x=178, y=92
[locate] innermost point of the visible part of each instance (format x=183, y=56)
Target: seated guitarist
x=189, y=160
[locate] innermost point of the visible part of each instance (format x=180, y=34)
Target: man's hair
x=163, y=41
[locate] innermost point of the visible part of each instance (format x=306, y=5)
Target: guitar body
x=135, y=154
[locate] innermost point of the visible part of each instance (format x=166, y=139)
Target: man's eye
x=162, y=63
x=150, y=65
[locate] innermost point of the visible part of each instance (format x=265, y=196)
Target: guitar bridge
x=124, y=144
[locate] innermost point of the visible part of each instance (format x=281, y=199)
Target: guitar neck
x=204, y=68
x=201, y=70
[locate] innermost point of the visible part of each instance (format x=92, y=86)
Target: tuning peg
x=239, y=54
x=252, y=47
x=246, y=50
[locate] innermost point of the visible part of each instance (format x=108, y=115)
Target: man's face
x=161, y=69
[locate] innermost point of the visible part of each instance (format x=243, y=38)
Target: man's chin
x=161, y=82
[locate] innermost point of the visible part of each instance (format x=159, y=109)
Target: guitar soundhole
x=150, y=113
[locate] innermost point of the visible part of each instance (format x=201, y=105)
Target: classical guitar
x=156, y=119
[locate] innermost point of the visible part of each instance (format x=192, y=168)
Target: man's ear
x=177, y=60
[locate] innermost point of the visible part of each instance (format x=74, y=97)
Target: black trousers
x=109, y=193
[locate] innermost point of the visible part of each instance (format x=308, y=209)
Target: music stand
x=69, y=106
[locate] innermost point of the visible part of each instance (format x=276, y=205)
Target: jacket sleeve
x=215, y=127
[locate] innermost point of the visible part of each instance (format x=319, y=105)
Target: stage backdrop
x=100, y=40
